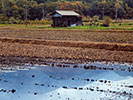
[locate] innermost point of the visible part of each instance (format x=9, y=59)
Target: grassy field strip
x=64, y=43
x=113, y=26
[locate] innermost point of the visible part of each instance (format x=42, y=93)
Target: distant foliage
x=40, y=9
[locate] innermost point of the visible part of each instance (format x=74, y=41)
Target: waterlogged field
x=60, y=81
x=65, y=81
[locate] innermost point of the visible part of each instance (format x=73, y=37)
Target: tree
x=117, y=6
x=103, y=2
x=38, y=9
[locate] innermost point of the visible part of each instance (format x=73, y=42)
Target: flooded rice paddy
x=59, y=81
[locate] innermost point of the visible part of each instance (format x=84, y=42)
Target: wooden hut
x=65, y=18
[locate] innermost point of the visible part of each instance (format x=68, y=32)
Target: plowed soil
x=35, y=46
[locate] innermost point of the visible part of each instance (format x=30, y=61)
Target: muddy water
x=58, y=81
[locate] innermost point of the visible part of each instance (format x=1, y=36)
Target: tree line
x=41, y=9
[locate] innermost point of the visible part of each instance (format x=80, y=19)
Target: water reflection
x=68, y=83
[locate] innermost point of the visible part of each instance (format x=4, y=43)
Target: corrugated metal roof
x=67, y=13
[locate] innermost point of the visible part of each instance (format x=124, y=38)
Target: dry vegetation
x=75, y=44
x=55, y=44
x=76, y=35
x=27, y=50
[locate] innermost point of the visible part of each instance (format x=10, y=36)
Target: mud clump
x=33, y=76
x=35, y=93
x=13, y=90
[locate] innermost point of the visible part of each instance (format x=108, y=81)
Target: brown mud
x=74, y=46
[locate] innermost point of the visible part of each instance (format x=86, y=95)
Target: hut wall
x=65, y=21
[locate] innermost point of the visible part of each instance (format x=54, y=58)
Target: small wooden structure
x=65, y=18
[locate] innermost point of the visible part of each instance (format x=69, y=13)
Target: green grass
x=113, y=26
x=89, y=27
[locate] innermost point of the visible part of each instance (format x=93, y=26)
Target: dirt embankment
x=80, y=44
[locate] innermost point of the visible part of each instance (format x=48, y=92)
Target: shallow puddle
x=92, y=81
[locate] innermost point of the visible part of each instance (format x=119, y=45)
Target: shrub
x=19, y=22
x=95, y=18
x=94, y=21
x=12, y=20
x=3, y=18
x=107, y=22
x=87, y=19
x=40, y=22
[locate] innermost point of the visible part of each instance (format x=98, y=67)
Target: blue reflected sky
x=57, y=83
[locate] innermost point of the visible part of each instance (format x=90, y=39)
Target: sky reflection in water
x=56, y=83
